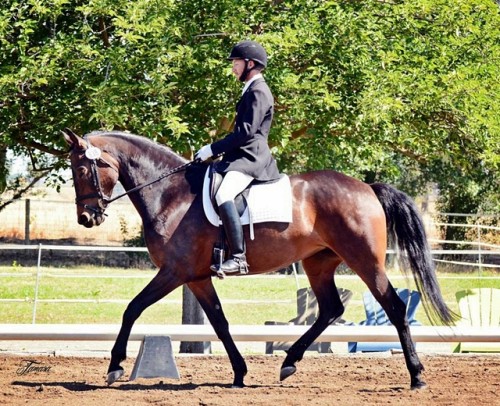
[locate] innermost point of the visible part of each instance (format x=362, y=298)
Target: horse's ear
x=73, y=140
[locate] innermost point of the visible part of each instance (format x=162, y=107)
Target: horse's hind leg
x=207, y=297
x=395, y=309
x=320, y=269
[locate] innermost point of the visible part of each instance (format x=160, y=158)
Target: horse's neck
x=150, y=200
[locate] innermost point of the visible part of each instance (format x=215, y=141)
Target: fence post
x=27, y=215
x=480, y=259
x=192, y=313
x=38, y=271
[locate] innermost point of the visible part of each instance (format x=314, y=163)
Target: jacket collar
x=250, y=82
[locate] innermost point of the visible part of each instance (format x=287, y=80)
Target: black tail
x=406, y=229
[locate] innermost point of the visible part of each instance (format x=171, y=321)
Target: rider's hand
x=204, y=153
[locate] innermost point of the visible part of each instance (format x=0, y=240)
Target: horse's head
x=95, y=174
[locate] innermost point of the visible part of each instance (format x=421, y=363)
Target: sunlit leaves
x=394, y=91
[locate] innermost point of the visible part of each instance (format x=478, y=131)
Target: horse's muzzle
x=88, y=220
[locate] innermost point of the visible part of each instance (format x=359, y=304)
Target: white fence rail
x=250, y=333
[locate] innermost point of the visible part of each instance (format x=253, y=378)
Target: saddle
x=259, y=203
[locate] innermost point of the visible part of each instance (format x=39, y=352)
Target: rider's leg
x=233, y=184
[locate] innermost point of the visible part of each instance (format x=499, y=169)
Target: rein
x=104, y=201
x=162, y=176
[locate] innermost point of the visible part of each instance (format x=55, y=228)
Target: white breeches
x=234, y=182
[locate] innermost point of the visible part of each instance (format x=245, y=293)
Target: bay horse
x=336, y=219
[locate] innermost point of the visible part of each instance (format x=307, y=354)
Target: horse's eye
x=82, y=172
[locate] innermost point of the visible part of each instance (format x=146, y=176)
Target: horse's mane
x=139, y=141
x=158, y=153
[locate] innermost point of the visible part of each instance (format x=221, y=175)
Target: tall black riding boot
x=234, y=233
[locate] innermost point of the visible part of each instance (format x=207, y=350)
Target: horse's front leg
x=161, y=285
x=207, y=297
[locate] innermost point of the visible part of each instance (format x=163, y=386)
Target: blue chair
x=376, y=316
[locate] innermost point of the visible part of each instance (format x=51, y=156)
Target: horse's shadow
x=86, y=387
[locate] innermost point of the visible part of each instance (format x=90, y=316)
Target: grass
x=101, y=284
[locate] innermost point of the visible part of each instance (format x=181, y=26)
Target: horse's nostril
x=84, y=218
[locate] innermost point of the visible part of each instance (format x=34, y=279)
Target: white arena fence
x=251, y=333
x=40, y=248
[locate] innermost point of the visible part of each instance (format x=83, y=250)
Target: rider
x=246, y=154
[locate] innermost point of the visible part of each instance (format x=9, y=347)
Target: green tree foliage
x=384, y=90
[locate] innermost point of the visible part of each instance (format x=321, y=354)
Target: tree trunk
x=3, y=168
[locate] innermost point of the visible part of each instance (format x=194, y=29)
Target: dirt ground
x=205, y=380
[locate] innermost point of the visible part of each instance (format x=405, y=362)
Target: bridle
x=103, y=200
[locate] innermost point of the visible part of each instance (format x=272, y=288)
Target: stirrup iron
x=242, y=268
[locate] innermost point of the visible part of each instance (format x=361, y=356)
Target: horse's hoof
x=286, y=372
x=237, y=386
x=419, y=385
x=113, y=376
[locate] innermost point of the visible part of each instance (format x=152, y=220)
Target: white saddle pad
x=266, y=202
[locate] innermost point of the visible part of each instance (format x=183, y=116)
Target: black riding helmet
x=249, y=50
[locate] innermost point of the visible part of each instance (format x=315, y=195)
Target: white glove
x=204, y=153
